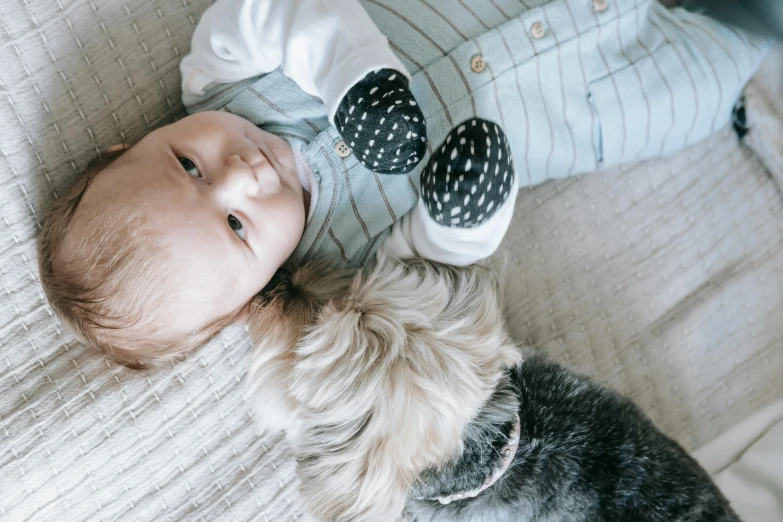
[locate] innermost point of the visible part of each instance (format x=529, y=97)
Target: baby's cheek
x=283, y=153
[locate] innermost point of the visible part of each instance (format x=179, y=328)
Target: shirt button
x=477, y=63
x=537, y=30
x=599, y=5
x=342, y=149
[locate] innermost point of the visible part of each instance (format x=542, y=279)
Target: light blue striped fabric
x=356, y=207
x=598, y=88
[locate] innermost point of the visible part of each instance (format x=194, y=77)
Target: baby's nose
x=238, y=177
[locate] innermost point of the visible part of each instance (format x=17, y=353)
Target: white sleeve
x=325, y=46
x=417, y=234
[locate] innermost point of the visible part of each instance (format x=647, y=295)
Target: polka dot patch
x=381, y=121
x=469, y=176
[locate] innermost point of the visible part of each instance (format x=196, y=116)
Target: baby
x=160, y=246
x=306, y=141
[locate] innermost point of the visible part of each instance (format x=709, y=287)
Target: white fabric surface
x=747, y=460
x=747, y=463
x=764, y=101
x=664, y=280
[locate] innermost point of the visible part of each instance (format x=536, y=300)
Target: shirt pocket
x=657, y=105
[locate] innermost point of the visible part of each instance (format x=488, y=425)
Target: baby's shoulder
x=271, y=101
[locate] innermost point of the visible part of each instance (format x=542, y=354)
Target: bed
x=663, y=280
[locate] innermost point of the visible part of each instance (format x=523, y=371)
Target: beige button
x=477, y=63
x=537, y=30
x=342, y=149
x=599, y=5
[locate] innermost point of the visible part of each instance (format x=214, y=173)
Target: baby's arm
x=332, y=50
x=324, y=46
x=417, y=234
x=468, y=191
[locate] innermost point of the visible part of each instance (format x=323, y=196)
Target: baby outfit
x=334, y=63
x=511, y=92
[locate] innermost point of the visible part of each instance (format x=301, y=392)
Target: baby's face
x=224, y=201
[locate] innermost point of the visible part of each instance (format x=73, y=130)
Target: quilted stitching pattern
x=665, y=280
x=83, y=439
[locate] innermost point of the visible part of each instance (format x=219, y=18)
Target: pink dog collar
x=508, y=456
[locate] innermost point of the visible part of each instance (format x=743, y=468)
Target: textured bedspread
x=663, y=280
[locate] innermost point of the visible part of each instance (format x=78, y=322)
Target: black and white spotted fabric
x=469, y=176
x=381, y=121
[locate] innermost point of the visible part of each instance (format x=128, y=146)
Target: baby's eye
x=189, y=167
x=236, y=226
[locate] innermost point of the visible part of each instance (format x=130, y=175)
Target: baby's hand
x=383, y=124
x=470, y=176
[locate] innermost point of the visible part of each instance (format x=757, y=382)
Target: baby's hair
x=101, y=288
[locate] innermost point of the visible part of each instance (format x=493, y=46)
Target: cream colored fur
x=374, y=376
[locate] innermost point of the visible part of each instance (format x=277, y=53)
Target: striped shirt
x=575, y=84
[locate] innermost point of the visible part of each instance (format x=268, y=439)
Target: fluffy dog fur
x=401, y=384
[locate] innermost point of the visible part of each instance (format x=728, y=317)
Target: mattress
x=662, y=279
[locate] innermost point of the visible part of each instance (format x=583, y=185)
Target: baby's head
x=159, y=247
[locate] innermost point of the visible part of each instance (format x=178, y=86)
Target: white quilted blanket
x=664, y=280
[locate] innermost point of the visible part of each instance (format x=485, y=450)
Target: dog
x=403, y=395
